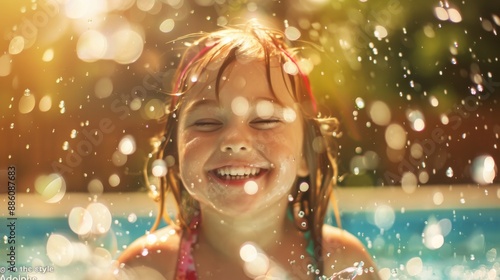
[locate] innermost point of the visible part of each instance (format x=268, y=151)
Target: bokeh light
x=103, y=87
x=51, y=188
x=159, y=168
x=92, y=46
x=5, y=65
x=16, y=45
x=59, y=250
x=248, y=252
x=240, y=106
x=484, y=170
x=380, y=113
x=45, y=103
x=127, y=145
x=27, y=102
x=48, y=55
x=264, y=109
x=414, y=266
x=251, y=187
x=395, y=136
x=101, y=217
x=384, y=217
x=80, y=220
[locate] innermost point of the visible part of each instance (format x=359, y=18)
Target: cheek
x=191, y=157
x=284, y=177
x=280, y=144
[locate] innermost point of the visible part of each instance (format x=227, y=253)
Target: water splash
x=349, y=273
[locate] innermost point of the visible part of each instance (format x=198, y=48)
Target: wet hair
x=219, y=50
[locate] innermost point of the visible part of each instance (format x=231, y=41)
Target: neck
x=227, y=233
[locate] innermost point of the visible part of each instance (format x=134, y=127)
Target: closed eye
x=207, y=125
x=265, y=123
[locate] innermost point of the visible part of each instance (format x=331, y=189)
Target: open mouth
x=237, y=173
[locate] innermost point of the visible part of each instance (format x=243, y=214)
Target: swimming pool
x=436, y=232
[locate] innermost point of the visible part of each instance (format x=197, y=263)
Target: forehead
x=253, y=80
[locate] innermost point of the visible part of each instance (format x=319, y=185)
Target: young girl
x=251, y=165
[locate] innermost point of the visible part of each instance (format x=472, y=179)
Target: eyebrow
x=196, y=105
x=275, y=101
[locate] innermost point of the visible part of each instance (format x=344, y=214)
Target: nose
x=235, y=141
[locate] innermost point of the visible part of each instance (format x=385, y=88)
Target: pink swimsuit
x=186, y=269
x=185, y=263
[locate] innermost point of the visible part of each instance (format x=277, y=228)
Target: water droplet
x=144, y=252
x=360, y=103
x=132, y=218
x=301, y=214
x=304, y=186
x=449, y=172
x=151, y=238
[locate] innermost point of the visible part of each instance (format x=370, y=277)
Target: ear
x=302, y=170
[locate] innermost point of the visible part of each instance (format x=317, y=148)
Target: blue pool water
x=465, y=248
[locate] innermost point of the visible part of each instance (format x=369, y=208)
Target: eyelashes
x=266, y=123
x=208, y=125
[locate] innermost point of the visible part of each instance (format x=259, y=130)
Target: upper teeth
x=238, y=171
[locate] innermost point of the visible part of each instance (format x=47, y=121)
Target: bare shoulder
x=342, y=250
x=153, y=256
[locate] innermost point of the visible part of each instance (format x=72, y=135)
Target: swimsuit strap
x=185, y=262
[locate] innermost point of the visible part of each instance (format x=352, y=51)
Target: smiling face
x=240, y=149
